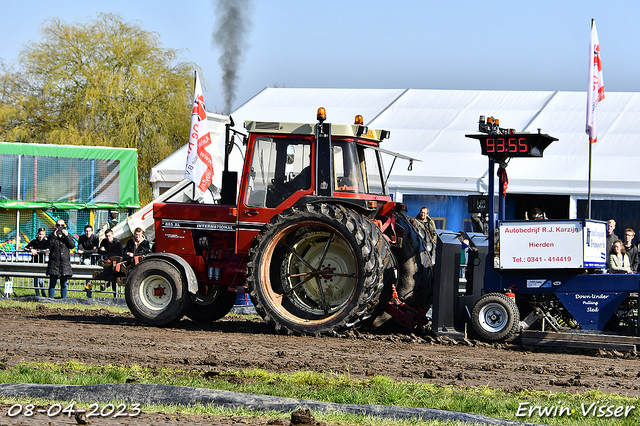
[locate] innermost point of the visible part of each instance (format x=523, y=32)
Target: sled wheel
x=155, y=293
x=495, y=317
x=414, y=279
x=209, y=307
x=316, y=270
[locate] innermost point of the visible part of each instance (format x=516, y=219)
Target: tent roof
x=431, y=125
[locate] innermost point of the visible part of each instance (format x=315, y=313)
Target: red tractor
x=311, y=234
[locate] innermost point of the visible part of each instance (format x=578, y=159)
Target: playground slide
x=46, y=218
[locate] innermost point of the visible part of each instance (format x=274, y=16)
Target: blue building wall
x=453, y=209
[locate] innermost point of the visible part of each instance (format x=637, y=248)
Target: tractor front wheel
x=155, y=293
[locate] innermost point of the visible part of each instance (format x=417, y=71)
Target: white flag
x=199, y=167
x=596, y=84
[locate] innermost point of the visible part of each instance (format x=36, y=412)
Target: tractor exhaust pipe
x=229, y=190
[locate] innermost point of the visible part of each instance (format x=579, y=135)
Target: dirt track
x=101, y=337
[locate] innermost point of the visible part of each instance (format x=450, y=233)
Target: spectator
x=631, y=250
x=536, y=214
x=137, y=246
x=59, y=267
x=619, y=262
x=480, y=223
x=113, y=220
x=611, y=238
x=429, y=224
x=430, y=228
x=464, y=257
x=111, y=247
x=468, y=255
x=88, y=247
x=37, y=246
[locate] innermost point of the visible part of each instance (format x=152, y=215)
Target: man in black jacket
x=611, y=237
x=60, y=242
x=88, y=248
x=38, y=246
x=111, y=247
x=137, y=246
x=630, y=249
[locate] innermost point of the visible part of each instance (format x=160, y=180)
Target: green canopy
x=42, y=176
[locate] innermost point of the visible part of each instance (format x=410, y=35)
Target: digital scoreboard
x=514, y=144
x=500, y=143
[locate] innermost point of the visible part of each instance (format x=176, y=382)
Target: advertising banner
x=548, y=244
x=595, y=244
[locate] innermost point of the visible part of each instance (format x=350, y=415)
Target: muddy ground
x=100, y=337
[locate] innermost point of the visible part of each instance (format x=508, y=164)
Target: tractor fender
x=185, y=269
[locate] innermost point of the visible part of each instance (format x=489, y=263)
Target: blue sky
x=485, y=45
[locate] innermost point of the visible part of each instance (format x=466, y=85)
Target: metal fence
x=21, y=270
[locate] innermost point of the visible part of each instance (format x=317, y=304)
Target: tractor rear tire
x=210, y=307
x=495, y=317
x=156, y=293
x=414, y=279
x=415, y=273
x=298, y=294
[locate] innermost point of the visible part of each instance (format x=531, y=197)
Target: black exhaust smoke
x=232, y=26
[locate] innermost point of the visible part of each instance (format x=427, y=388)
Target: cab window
x=279, y=168
x=372, y=170
x=346, y=168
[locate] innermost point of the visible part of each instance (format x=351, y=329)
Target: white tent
x=431, y=125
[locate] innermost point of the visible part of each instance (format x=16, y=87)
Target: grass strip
x=554, y=407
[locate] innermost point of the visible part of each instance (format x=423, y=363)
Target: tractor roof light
x=359, y=120
x=322, y=114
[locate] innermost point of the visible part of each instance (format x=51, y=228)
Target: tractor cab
x=290, y=164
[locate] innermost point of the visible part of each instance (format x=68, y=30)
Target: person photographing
x=59, y=266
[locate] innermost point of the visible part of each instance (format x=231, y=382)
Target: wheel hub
x=320, y=277
x=327, y=273
x=494, y=317
x=155, y=292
